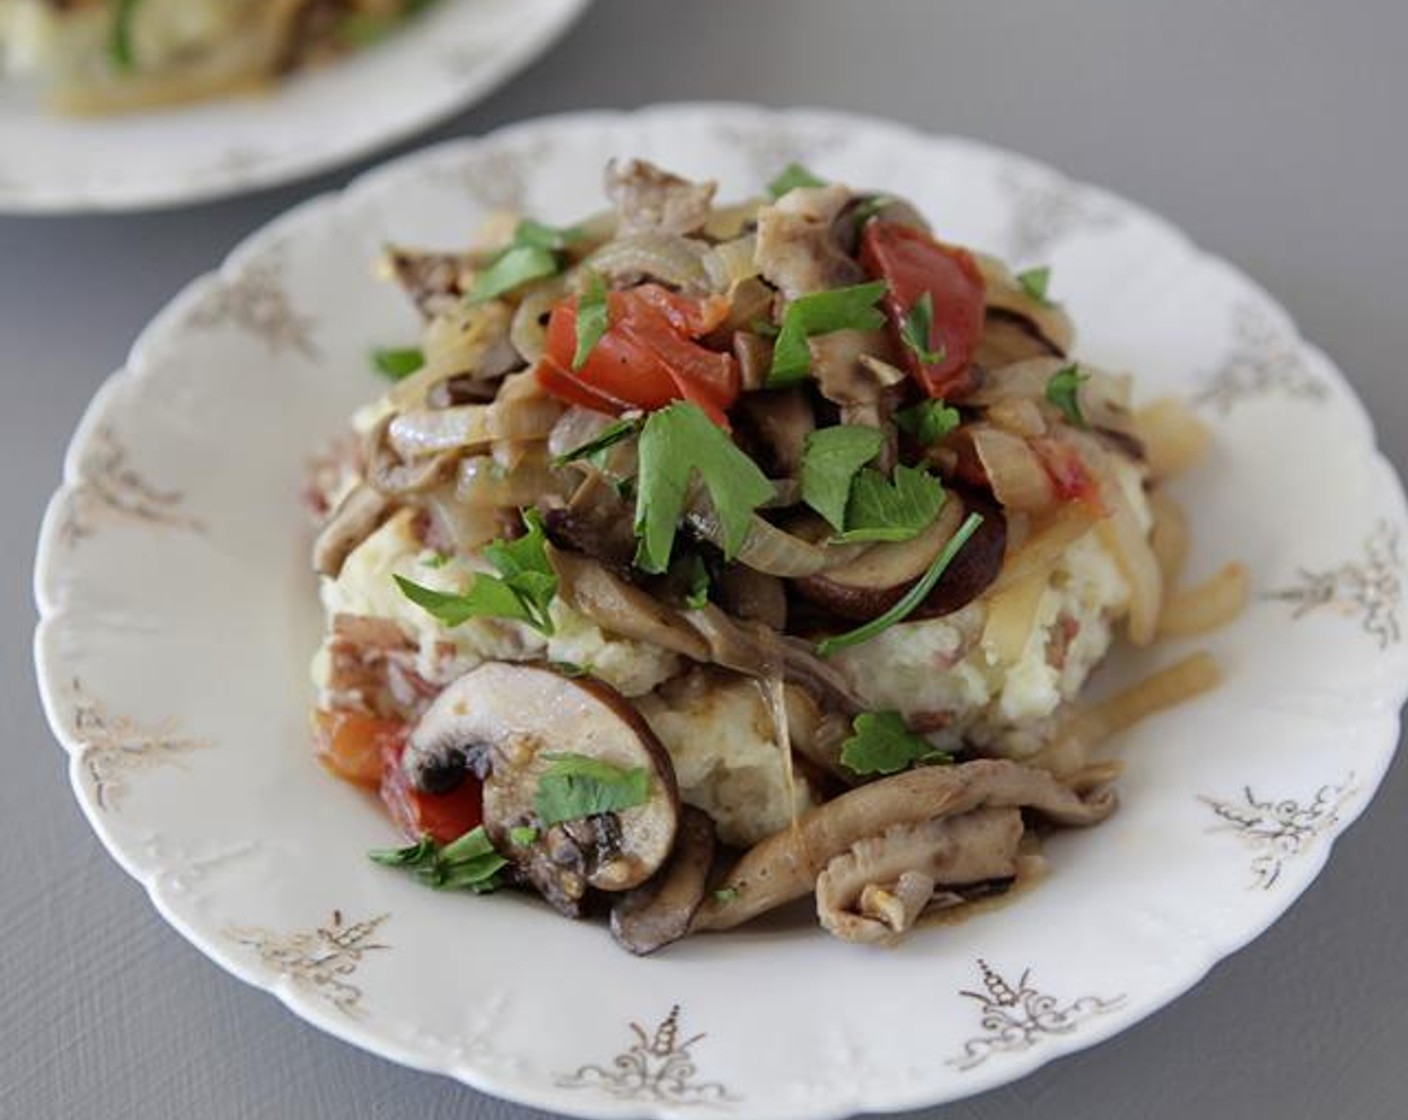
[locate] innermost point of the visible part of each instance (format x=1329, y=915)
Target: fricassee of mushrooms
x=528, y=450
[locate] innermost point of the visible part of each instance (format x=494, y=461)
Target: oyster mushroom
x=516, y=725
x=659, y=911
x=786, y=865
x=797, y=250
x=876, y=891
x=647, y=197
x=357, y=516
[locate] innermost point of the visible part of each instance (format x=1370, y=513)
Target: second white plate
x=450, y=57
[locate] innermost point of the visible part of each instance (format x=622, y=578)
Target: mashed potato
x=722, y=740
x=365, y=587
x=947, y=679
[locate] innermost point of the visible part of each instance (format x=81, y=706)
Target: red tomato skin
x=1067, y=470
x=441, y=816
x=913, y=263
x=646, y=359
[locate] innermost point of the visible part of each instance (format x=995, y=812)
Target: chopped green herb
x=912, y=598
x=726, y=894
x=918, y=328
x=794, y=175
x=607, y=438
x=869, y=207
x=898, y=509
x=523, y=590
x=882, y=744
x=398, y=363
x=830, y=460
x=487, y=597
x=576, y=786
x=468, y=863
x=697, y=596
x=851, y=308
x=763, y=328
x=929, y=421
x=522, y=835
x=675, y=443
x=120, y=49
x=570, y=668
x=1035, y=282
x=413, y=856
x=435, y=560
x=536, y=235
x=513, y=268
x=1063, y=390
x=593, y=317
x=362, y=29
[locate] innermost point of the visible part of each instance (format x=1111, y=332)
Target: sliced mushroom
x=1004, y=293
x=649, y=198
x=785, y=866
x=621, y=608
x=751, y=595
x=357, y=516
x=875, y=891
x=708, y=635
x=507, y=722
x=596, y=522
x=759, y=651
x=754, y=354
x=881, y=576
x=659, y=911
x=775, y=425
x=1009, y=336
x=797, y=250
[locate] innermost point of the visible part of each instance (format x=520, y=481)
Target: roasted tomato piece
x=913, y=264
x=443, y=816
x=646, y=359
x=350, y=744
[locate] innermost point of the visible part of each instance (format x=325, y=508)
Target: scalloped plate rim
x=1386, y=721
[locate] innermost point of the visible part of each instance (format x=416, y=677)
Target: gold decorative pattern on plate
x=110, y=489
x=115, y=748
x=323, y=960
x=1046, y=208
x=770, y=147
x=256, y=301
x=1018, y=1016
x=654, y=1068
x=496, y=177
x=1281, y=830
x=1370, y=589
x=1263, y=362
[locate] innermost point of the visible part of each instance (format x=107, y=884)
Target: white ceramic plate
x=179, y=614
x=444, y=61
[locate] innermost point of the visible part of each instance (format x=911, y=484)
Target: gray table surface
x=1271, y=130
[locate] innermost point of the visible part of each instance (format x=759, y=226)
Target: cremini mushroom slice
x=578, y=792
x=356, y=518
